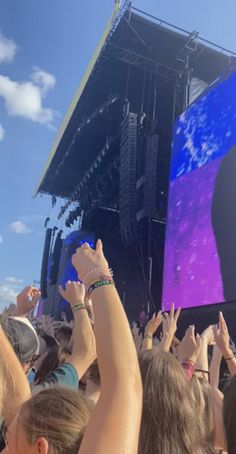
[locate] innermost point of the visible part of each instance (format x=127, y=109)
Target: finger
x=188, y=330
x=99, y=246
x=68, y=284
x=198, y=340
x=172, y=310
x=27, y=289
x=36, y=298
x=177, y=314
x=34, y=289
x=85, y=246
x=222, y=322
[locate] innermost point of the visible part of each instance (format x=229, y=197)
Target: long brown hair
x=53, y=359
x=57, y=414
x=229, y=413
x=168, y=420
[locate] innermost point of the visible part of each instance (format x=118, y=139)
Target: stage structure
x=110, y=162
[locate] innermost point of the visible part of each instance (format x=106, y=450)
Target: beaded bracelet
x=188, y=361
x=99, y=284
x=97, y=270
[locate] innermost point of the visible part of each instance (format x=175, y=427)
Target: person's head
x=49, y=341
x=229, y=413
x=51, y=422
x=203, y=404
x=55, y=357
x=168, y=420
x=64, y=335
x=23, y=338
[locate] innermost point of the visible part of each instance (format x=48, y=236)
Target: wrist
x=77, y=303
x=148, y=335
x=96, y=274
x=192, y=359
x=148, y=332
x=227, y=352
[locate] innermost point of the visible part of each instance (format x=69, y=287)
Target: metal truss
x=91, y=177
x=128, y=56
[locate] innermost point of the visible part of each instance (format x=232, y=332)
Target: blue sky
x=45, y=47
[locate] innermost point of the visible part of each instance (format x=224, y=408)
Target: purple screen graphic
x=200, y=250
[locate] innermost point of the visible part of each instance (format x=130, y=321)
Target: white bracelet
x=97, y=270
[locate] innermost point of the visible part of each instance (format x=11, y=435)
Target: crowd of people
x=98, y=386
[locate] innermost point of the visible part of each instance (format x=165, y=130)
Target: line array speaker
x=127, y=190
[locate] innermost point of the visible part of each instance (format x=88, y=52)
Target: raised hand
x=208, y=335
x=169, y=327
x=170, y=321
x=26, y=301
x=74, y=293
x=137, y=336
x=90, y=263
x=153, y=324
x=46, y=324
x=190, y=346
x=222, y=337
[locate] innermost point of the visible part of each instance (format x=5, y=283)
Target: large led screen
x=200, y=250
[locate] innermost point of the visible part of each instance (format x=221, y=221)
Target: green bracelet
x=100, y=284
x=78, y=307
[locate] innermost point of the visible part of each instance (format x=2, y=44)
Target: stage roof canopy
x=131, y=39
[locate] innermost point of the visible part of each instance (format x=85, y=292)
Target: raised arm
x=114, y=424
x=14, y=385
x=189, y=350
x=202, y=365
x=215, y=367
x=222, y=339
x=26, y=301
x=150, y=329
x=84, y=348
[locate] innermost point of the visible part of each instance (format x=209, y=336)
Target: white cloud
x=7, y=295
x=7, y=49
x=24, y=99
x=43, y=79
x=13, y=280
x=1, y=239
x=19, y=228
x=2, y=133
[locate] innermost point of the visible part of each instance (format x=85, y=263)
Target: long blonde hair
x=59, y=415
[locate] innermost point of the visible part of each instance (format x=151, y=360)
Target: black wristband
x=99, y=284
